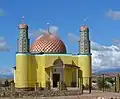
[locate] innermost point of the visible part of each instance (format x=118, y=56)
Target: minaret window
x=86, y=44
x=24, y=35
x=24, y=42
x=24, y=49
x=85, y=35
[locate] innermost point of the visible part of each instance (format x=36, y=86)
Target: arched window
x=58, y=62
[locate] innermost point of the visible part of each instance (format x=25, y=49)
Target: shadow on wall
x=34, y=69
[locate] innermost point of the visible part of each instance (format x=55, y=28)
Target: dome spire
x=23, y=25
x=48, y=28
x=48, y=25
x=23, y=19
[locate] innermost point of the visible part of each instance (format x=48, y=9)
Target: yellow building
x=47, y=60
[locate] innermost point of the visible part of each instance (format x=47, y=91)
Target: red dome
x=48, y=43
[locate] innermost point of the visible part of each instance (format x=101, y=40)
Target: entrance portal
x=56, y=78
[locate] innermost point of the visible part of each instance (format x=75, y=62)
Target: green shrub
x=102, y=83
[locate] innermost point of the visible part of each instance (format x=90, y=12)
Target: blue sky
x=102, y=17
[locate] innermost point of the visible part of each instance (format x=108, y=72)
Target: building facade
x=47, y=60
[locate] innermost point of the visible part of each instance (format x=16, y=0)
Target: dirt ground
x=93, y=95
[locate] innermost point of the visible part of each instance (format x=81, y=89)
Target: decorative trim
x=85, y=54
x=52, y=54
x=65, y=65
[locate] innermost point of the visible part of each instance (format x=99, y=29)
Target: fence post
x=90, y=84
x=118, y=83
x=82, y=86
x=103, y=81
x=115, y=84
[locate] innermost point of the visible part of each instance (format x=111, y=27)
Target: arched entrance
x=57, y=71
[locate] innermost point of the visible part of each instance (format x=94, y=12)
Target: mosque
x=46, y=59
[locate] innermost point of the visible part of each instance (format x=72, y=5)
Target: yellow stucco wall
x=47, y=74
x=40, y=62
x=21, y=71
x=68, y=76
x=31, y=69
x=49, y=59
x=84, y=61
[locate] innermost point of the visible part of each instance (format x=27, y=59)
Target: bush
x=110, y=80
x=102, y=83
x=6, y=83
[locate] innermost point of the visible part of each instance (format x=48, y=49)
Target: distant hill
x=117, y=70
x=106, y=71
x=6, y=76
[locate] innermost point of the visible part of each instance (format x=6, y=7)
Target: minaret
x=85, y=56
x=84, y=43
x=23, y=41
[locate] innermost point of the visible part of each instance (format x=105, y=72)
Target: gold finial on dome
x=22, y=25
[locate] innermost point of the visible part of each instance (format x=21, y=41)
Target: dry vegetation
x=7, y=92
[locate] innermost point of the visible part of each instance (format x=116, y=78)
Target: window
x=86, y=49
x=81, y=49
x=20, y=49
x=24, y=35
x=86, y=44
x=24, y=42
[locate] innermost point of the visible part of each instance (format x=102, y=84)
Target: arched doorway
x=57, y=71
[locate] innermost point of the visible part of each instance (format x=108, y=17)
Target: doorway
x=56, y=78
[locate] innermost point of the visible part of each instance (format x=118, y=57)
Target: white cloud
x=73, y=38
x=3, y=45
x=6, y=71
x=2, y=13
x=53, y=29
x=115, y=15
x=103, y=57
x=40, y=31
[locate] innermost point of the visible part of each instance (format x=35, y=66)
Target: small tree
x=110, y=80
x=6, y=83
x=102, y=83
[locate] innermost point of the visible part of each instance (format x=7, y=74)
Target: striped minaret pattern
x=84, y=40
x=23, y=41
